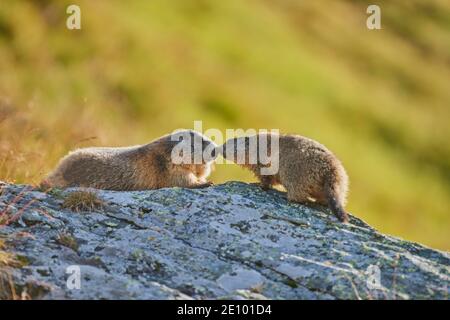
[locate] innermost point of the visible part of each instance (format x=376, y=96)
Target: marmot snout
x=151, y=166
x=306, y=169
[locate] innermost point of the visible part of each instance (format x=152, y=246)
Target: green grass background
x=139, y=69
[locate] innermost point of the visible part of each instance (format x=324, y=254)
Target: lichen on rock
x=227, y=241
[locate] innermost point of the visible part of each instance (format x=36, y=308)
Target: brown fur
x=307, y=170
x=129, y=168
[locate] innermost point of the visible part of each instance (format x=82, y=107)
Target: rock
x=228, y=241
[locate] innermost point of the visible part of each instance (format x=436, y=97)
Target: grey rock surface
x=231, y=241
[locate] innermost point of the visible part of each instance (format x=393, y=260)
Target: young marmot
x=150, y=166
x=304, y=167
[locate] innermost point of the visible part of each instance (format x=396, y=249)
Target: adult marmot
x=150, y=166
x=306, y=168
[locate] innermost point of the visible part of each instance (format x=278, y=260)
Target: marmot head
x=240, y=150
x=191, y=147
x=257, y=151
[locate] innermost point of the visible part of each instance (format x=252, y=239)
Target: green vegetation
x=67, y=240
x=139, y=69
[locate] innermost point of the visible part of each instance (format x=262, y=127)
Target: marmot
x=305, y=168
x=149, y=166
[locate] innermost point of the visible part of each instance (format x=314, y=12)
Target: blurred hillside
x=139, y=69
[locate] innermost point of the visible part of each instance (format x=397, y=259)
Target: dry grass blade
x=82, y=201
